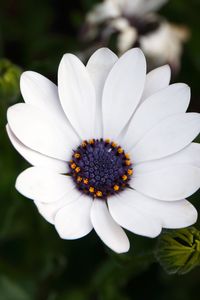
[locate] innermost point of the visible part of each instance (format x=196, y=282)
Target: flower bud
x=9, y=80
x=178, y=251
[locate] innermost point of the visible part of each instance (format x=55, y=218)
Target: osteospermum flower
x=111, y=147
x=135, y=23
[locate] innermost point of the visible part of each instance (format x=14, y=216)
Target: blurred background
x=34, y=262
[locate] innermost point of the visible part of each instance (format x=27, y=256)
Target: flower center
x=100, y=168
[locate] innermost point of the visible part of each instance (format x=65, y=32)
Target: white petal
x=169, y=101
x=153, y=5
x=49, y=210
x=35, y=158
x=107, y=229
x=73, y=220
x=140, y=7
x=168, y=137
x=189, y=155
x=156, y=80
x=126, y=215
x=122, y=92
x=176, y=214
x=99, y=66
x=43, y=185
x=171, y=183
x=101, y=12
x=40, y=92
x=40, y=133
x=127, y=36
x=77, y=95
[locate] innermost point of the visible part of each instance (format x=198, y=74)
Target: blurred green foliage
x=9, y=81
x=34, y=262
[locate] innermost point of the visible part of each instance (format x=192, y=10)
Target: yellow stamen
x=116, y=188
x=127, y=156
x=73, y=166
x=91, y=142
x=79, y=179
x=99, y=194
x=120, y=150
x=85, y=181
x=77, y=155
x=107, y=141
x=130, y=171
x=84, y=144
x=114, y=145
x=124, y=177
x=128, y=162
x=91, y=189
x=77, y=169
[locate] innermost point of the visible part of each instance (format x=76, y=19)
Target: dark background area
x=34, y=262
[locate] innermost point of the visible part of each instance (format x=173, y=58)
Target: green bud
x=178, y=251
x=9, y=80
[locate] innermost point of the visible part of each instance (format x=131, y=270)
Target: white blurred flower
x=139, y=7
x=103, y=11
x=136, y=23
x=128, y=34
x=115, y=8
x=165, y=44
x=74, y=137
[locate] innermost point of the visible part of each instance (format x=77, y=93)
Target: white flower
x=128, y=35
x=165, y=44
x=103, y=11
x=138, y=7
x=136, y=23
x=64, y=131
x=115, y=8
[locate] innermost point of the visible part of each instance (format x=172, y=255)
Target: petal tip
x=68, y=56
x=10, y=111
x=123, y=249
x=192, y=215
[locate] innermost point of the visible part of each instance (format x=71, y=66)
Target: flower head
x=136, y=23
x=111, y=147
x=115, y=8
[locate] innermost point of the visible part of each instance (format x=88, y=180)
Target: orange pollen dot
x=99, y=194
x=116, y=188
x=77, y=155
x=130, y=172
x=91, y=141
x=127, y=156
x=77, y=169
x=114, y=145
x=128, y=162
x=120, y=150
x=85, y=181
x=79, y=179
x=73, y=166
x=124, y=177
x=84, y=144
x=91, y=189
